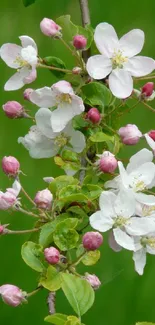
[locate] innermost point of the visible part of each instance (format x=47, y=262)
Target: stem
x=78, y=260
x=26, y=212
x=33, y=292
x=83, y=169
x=14, y=232
x=54, y=68
x=145, y=78
x=51, y=302
x=85, y=12
x=149, y=107
x=28, y=197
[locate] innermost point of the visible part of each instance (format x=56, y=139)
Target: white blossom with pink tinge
x=118, y=59
x=9, y=198
x=62, y=96
x=22, y=58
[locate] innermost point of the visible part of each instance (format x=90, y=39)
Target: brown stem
x=28, y=197
x=54, y=68
x=51, y=302
x=14, y=232
x=85, y=12
x=149, y=107
x=29, y=213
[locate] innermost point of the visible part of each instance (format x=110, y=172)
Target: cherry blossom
x=119, y=59
x=23, y=58
x=62, y=96
x=42, y=142
x=9, y=198
x=143, y=245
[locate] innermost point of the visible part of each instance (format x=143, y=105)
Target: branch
x=85, y=12
x=51, y=302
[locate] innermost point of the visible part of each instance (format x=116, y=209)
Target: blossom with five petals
x=118, y=59
x=143, y=245
x=62, y=96
x=24, y=59
x=42, y=142
x=117, y=212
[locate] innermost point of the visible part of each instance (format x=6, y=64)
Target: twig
x=85, y=12
x=14, y=232
x=29, y=213
x=28, y=197
x=54, y=68
x=51, y=302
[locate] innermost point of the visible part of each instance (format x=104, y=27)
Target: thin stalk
x=33, y=292
x=14, y=232
x=54, y=68
x=78, y=260
x=29, y=213
x=28, y=197
x=145, y=78
x=149, y=107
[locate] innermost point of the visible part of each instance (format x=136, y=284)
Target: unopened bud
x=93, y=280
x=130, y=134
x=12, y=295
x=7, y=200
x=50, y=28
x=52, y=255
x=2, y=229
x=79, y=42
x=76, y=70
x=27, y=93
x=13, y=109
x=152, y=134
x=10, y=166
x=43, y=199
x=147, y=89
x=92, y=240
x=94, y=115
x=107, y=162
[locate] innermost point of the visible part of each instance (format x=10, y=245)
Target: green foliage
x=96, y=93
x=55, y=62
x=28, y=2
x=92, y=191
x=70, y=156
x=79, y=122
x=31, y=254
x=51, y=280
x=46, y=233
x=72, y=320
x=78, y=292
x=101, y=137
x=65, y=236
x=91, y=257
x=61, y=182
x=56, y=319
x=145, y=323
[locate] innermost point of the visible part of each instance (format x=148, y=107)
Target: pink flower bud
x=27, y=93
x=92, y=240
x=12, y=295
x=52, y=255
x=50, y=28
x=152, y=134
x=79, y=42
x=10, y=166
x=107, y=162
x=77, y=70
x=147, y=89
x=2, y=229
x=13, y=109
x=93, y=280
x=94, y=115
x=43, y=199
x=130, y=134
x=7, y=200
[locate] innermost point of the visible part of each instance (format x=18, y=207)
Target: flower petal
x=139, y=66
x=16, y=187
x=113, y=244
x=106, y=203
x=132, y=43
x=65, y=112
x=38, y=145
x=120, y=83
x=43, y=97
x=62, y=87
x=123, y=239
x=28, y=41
x=140, y=226
x=142, y=177
x=98, y=66
x=100, y=223
x=150, y=141
x=9, y=54
x=114, y=183
x=139, y=258
x=150, y=250
x=138, y=159
x=125, y=204
x=77, y=141
x=123, y=175
x=29, y=54
x=31, y=77
x=17, y=80
x=106, y=39
x=145, y=199
x=43, y=121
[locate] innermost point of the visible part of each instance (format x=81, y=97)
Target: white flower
x=62, y=96
x=42, y=142
x=23, y=58
x=150, y=142
x=118, y=59
x=117, y=213
x=138, y=176
x=9, y=198
x=143, y=245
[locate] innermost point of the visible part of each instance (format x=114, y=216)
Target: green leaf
x=91, y=257
x=78, y=292
x=70, y=156
x=61, y=182
x=70, y=194
x=72, y=320
x=55, y=62
x=96, y=93
x=28, y=2
x=46, y=233
x=79, y=122
x=56, y=319
x=90, y=179
x=92, y=191
x=31, y=253
x=65, y=236
x=78, y=211
x=69, y=30
x=101, y=137
x=51, y=280
x=145, y=323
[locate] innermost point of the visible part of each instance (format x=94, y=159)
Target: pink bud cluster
x=130, y=134
x=52, y=255
x=12, y=295
x=94, y=115
x=50, y=28
x=10, y=166
x=107, y=162
x=13, y=109
x=43, y=199
x=79, y=42
x=92, y=240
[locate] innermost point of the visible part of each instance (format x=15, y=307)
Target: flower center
x=148, y=241
x=64, y=98
x=138, y=185
x=120, y=221
x=147, y=211
x=61, y=140
x=21, y=62
x=118, y=60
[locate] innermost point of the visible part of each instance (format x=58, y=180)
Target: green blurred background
x=124, y=297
